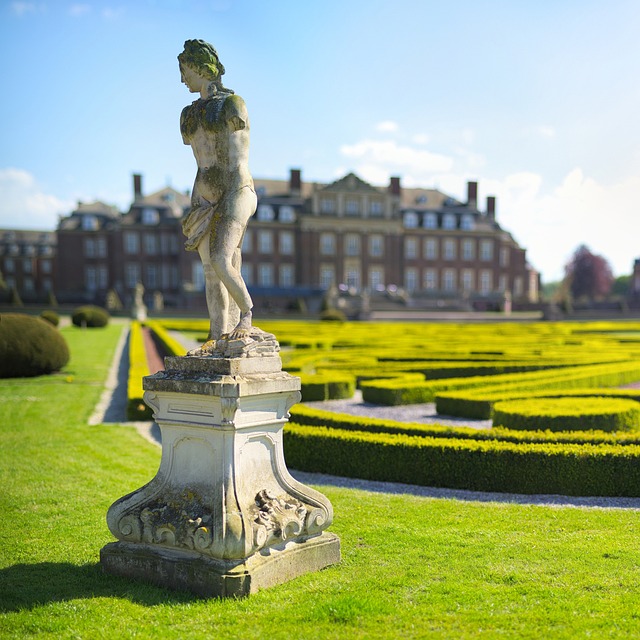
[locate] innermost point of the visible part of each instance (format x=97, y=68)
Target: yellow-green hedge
x=138, y=369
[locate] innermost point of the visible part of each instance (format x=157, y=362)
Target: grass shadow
x=26, y=586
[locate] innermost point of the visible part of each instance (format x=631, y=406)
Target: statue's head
x=202, y=58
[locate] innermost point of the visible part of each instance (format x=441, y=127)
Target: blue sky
x=536, y=100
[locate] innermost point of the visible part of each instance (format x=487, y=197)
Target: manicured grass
x=412, y=567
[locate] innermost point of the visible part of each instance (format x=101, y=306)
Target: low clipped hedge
x=30, y=346
x=90, y=316
x=170, y=344
x=327, y=387
x=51, y=317
x=567, y=469
x=478, y=404
x=138, y=369
x=568, y=414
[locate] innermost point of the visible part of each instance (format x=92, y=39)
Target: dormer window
x=467, y=221
x=287, y=214
x=89, y=223
x=430, y=220
x=449, y=221
x=411, y=220
x=150, y=216
x=266, y=213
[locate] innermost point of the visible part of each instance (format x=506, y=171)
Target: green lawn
x=412, y=567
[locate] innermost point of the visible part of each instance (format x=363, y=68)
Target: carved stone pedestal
x=223, y=516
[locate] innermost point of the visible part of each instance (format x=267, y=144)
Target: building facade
x=304, y=239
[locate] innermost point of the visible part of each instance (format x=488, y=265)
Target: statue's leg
x=216, y=293
x=225, y=258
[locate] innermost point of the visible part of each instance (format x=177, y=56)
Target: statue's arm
x=183, y=125
x=236, y=114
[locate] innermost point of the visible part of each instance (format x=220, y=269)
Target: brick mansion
x=305, y=238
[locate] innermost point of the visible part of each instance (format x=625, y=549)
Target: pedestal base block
x=215, y=578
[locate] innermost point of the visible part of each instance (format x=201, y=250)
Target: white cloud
x=24, y=8
x=77, y=10
x=387, y=157
x=547, y=131
x=421, y=138
x=551, y=224
x=387, y=126
x=24, y=205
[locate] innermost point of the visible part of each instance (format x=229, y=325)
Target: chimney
x=137, y=186
x=491, y=208
x=472, y=194
x=295, y=182
x=394, y=186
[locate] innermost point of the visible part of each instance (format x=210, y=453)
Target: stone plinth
x=223, y=516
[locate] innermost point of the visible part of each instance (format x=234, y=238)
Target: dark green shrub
x=333, y=315
x=29, y=346
x=90, y=316
x=51, y=317
x=567, y=414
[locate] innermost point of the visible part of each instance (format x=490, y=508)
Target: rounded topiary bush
x=333, y=315
x=568, y=414
x=51, y=317
x=29, y=346
x=90, y=316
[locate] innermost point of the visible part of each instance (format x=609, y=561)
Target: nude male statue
x=216, y=126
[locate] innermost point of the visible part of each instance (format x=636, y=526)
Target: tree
x=588, y=275
x=621, y=286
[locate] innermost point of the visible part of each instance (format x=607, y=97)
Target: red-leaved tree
x=588, y=275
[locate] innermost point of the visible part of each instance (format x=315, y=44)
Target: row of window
x=463, y=280
x=28, y=284
x=263, y=275
x=152, y=243
x=27, y=266
x=152, y=276
x=352, y=244
x=352, y=207
x=451, y=249
x=266, y=213
x=26, y=250
x=411, y=220
x=264, y=240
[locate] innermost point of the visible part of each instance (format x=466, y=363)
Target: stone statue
x=216, y=126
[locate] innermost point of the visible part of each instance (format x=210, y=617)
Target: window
x=150, y=216
x=47, y=284
x=247, y=241
x=517, y=286
x=449, y=280
x=131, y=243
x=502, y=282
x=411, y=220
x=197, y=276
x=449, y=249
x=468, y=249
x=90, y=279
x=449, y=221
x=411, y=279
x=173, y=245
x=430, y=279
x=287, y=214
x=247, y=273
x=376, y=208
x=265, y=241
x=286, y=275
x=28, y=284
x=327, y=244
x=430, y=220
x=27, y=266
x=45, y=265
x=467, y=221
x=9, y=265
x=152, y=276
x=486, y=281
x=430, y=248
x=467, y=280
x=376, y=278
x=286, y=243
x=327, y=205
x=266, y=213
x=132, y=275
x=410, y=248
x=327, y=275
x=265, y=275
x=376, y=246
x=486, y=250
x=352, y=276
x=89, y=247
x=101, y=247
x=150, y=244
x=352, y=207
x=504, y=256
x=352, y=244
x=29, y=250
x=89, y=223
x=103, y=277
